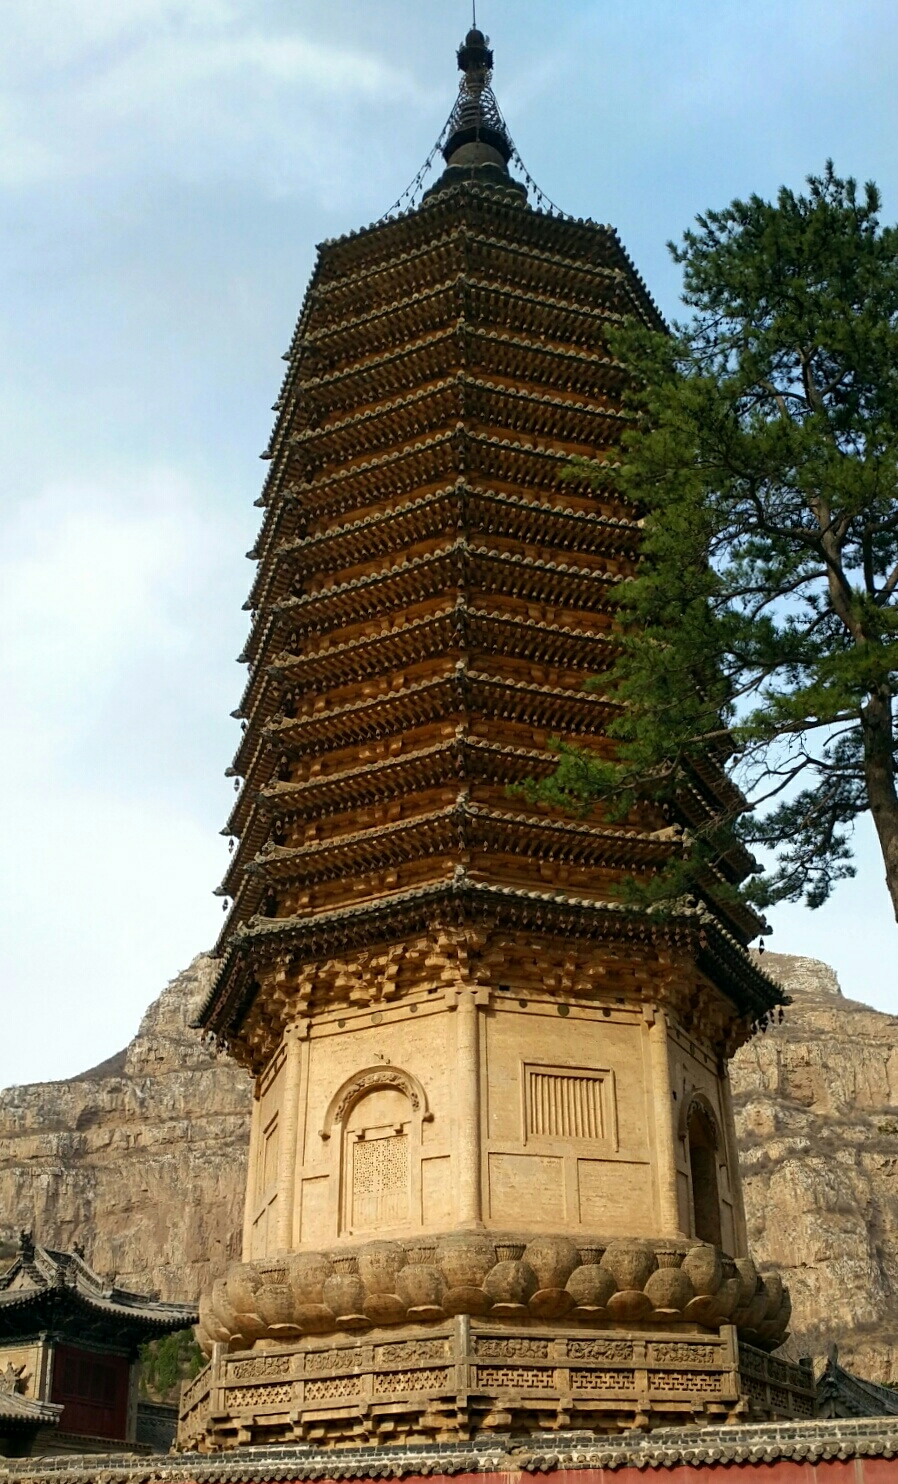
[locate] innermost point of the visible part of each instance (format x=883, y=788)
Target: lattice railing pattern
x=453, y=1377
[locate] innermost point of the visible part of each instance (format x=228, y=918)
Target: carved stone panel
x=380, y=1182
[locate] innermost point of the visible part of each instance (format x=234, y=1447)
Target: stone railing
x=507, y=1278
x=196, y=1396
x=463, y=1375
x=775, y=1388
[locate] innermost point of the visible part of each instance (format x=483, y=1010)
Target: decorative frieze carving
x=259, y=1368
x=490, y=1348
x=410, y=1352
x=317, y=1361
x=675, y=1352
x=613, y=1350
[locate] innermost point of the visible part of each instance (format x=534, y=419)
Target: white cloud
x=94, y=580
x=114, y=87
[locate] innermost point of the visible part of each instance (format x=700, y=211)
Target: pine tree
x=763, y=624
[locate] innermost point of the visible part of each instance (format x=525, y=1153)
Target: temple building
x=69, y=1363
x=493, y=1175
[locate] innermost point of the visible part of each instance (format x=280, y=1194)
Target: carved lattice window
x=380, y=1182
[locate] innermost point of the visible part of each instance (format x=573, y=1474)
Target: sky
x=166, y=170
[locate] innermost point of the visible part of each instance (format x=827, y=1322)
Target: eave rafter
x=471, y=827
x=460, y=508
x=454, y=759
x=453, y=695
x=581, y=426
x=457, y=627
x=454, y=566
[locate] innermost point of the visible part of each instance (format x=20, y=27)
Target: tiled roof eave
x=173, y=1316
x=759, y=993
x=699, y=1450
x=21, y=1412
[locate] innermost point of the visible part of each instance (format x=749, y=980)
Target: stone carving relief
x=673, y=1352
x=398, y=1281
x=523, y=1349
x=411, y=1352
x=12, y=1379
x=339, y=1360
x=259, y=1368
x=368, y=1081
x=612, y=1350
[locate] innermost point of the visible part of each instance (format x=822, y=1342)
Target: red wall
x=94, y=1391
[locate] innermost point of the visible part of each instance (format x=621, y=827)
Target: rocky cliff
x=817, y=1115
x=142, y=1159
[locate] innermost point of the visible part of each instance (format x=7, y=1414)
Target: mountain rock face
x=143, y=1159
x=817, y=1115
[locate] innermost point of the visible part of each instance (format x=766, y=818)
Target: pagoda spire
x=476, y=134
x=477, y=143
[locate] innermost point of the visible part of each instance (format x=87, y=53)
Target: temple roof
x=22, y=1413
x=840, y=1393
x=44, y=1289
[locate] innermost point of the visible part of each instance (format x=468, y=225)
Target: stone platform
x=442, y=1337
x=466, y=1376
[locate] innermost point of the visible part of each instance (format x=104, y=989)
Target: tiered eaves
x=430, y=599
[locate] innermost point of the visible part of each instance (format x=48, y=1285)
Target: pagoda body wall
x=458, y=1108
x=487, y=1093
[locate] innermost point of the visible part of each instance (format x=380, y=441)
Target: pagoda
x=493, y=1178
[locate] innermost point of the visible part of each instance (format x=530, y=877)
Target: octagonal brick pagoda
x=493, y=1176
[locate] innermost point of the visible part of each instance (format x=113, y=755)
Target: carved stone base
x=465, y=1376
x=511, y=1278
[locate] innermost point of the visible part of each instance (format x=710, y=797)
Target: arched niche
x=700, y=1130
x=374, y=1122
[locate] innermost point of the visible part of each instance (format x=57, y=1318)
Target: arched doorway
x=377, y=1162
x=702, y=1139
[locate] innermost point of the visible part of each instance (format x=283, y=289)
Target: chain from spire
x=476, y=115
